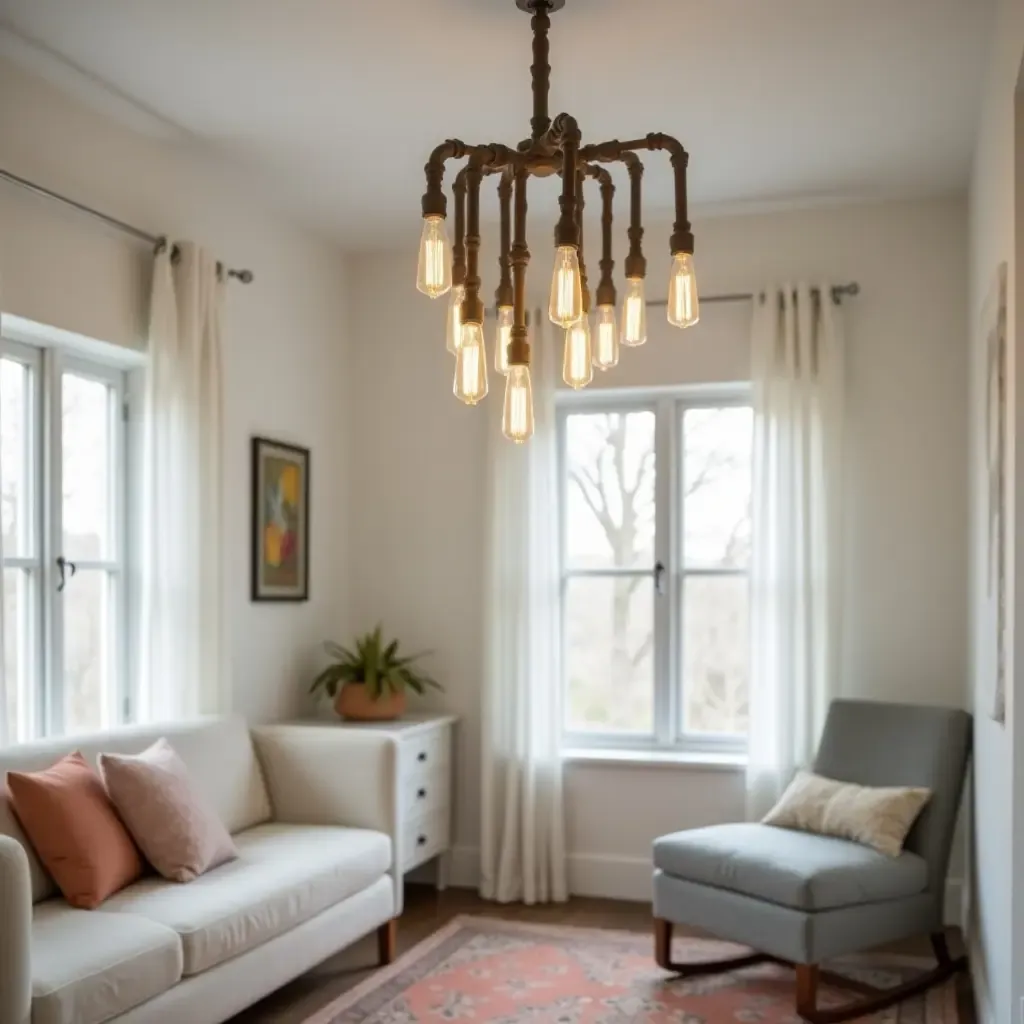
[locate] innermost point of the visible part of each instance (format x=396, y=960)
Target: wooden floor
x=427, y=910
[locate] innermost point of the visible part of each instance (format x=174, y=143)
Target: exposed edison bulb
x=683, y=307
x=471, y=366
x=577, y=361
x=454, y=327
x=434, y=273
x=634, y=313
x=517, y=416
x=566, y=306
x=605, y=341
x=502, y=337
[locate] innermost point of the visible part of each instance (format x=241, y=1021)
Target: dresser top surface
x=413, y=722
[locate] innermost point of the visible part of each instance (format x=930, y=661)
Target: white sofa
x=313, y=815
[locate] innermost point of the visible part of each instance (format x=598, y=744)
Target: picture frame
x=280, y=521
x=993, y=327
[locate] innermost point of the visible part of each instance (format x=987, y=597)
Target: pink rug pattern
x=479, y=969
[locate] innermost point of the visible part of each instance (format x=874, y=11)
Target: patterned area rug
x=479, y=969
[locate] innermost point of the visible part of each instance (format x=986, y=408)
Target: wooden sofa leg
x=663, y=943
x=387, y=941
x=807, y=990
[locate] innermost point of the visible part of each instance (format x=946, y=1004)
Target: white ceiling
x=335, y=105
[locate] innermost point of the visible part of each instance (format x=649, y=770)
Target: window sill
x=656, y=759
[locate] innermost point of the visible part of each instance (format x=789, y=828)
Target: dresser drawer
x=425, y=790
x=425, y=836
x=423, y=754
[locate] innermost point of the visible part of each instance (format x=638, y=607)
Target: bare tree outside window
x=611, y=521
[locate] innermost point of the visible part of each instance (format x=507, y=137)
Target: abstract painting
x=280, y=521
x=994, y=327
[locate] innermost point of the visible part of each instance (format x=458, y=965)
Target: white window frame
x=49, y=354
x=669, y=406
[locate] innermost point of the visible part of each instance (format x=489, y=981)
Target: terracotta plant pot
x=354, y=702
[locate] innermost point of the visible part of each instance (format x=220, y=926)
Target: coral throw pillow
x=75, y=830
x=175, y=827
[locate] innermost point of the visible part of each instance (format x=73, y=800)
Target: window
x=62, y=484
x=656, y=495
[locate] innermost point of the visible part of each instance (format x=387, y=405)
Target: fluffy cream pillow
x=879, y=817
x=177, y=830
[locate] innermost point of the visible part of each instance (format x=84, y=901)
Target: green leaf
x=328, y=677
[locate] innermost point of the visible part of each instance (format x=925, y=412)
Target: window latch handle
x=67, y=569
x=659, y=578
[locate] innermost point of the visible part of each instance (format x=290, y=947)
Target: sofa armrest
x=15, y=933
x=323, y=775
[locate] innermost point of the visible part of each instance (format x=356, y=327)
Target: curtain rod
x=839, y=291
x=157, y=241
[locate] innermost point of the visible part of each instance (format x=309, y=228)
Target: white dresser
x=426, y=750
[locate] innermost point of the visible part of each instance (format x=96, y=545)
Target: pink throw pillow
x=177, y=830
x=75, y=830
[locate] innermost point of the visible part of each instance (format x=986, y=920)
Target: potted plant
x=370, y=683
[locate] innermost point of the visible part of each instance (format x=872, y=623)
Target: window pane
x=89, y=675
x=716, y=486
x=87, y=469
x=609, y=629
x=14, y=394
x=609, y=465
x=715, y=654
x=18, y=621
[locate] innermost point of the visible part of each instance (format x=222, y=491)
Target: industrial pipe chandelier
x=555, y=147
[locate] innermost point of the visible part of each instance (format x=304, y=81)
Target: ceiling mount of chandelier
x=555, y=147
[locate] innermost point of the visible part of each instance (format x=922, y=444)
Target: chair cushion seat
x=793, y=869
x=284, y=875
x=89, y=966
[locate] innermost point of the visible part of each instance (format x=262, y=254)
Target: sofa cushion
x=89, y=966
x=794, y=869
x=75, y=830
x=284, y=875
x=218, y=752
x=165, y=811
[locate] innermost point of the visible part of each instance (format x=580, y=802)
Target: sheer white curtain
x=797, y=366
x=8, y=728
x=182, y=662
x=522, y=841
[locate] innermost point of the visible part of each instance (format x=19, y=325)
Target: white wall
x=285, y=340
x=417, y=533
x=997, y=912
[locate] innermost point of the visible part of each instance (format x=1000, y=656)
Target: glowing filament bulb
x=517, y=415
x=434, y=272
x=606, y=338
x=453, y=330
x=502, y=337
x=470, y=384
x=683, y=307
x=566, y=306
x=577, y=362
x=634, y=313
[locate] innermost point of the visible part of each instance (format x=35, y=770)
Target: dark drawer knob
x=421, y=794
x=421, y=841
x=421, y=756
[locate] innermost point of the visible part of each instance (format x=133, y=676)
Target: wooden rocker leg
x=872, y=999
x=387, y=941
x=663, y=956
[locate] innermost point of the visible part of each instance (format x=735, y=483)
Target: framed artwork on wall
x=280, y=521
x=993, y=326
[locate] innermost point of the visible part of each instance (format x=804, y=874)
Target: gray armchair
x=803, y=899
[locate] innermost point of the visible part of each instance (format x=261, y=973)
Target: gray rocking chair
x=802, y=899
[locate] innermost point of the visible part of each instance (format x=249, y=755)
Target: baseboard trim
x=628, y=878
